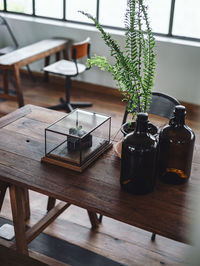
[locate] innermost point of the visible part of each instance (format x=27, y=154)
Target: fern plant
x=134, y=68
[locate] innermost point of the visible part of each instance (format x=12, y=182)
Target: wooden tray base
x=77, y=168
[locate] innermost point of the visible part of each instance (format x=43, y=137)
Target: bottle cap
x=180, y=110
x=143, y=117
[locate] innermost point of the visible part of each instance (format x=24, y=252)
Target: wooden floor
x=115, y=240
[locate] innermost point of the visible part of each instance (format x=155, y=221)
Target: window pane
x=1, y=5
x=73, y=6
x=49, y=8
x=112, y=14
x=159, y=14
x=21, y=6
x=187, y=19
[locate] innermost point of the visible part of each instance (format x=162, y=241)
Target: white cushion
x=65, y=67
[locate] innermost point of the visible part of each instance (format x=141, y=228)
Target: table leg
x=3, y=187
x=26, y=203
x=46, y=63
x=153, y=237
x=5, y=80
x=16, y=198
x=93, y=219
x=51, y=203
x=18, y=86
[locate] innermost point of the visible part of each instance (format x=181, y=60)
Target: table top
x=167, y=211
x=30, y=51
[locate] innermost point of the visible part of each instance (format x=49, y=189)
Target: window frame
x=170, y=26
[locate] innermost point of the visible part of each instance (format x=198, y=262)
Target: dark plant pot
x=129, y=127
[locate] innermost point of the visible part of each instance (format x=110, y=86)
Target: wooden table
x=15, y=60
x=165, y=211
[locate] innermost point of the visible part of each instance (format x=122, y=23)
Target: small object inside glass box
x=77, y=139
x=73, y=144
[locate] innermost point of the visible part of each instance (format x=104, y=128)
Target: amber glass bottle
x=176, y=144
x=138, y=160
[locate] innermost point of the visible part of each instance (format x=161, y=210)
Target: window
x=1, y=5
x=20, y=6
x=49, y=8
x=159, y=13
x=73, y=6
x=112, y=14
x=173, y=18
x=187, y=19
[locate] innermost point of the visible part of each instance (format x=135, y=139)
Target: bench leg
x=46, y=63
x=5, y=80
x=30, y=73
x=153, y=237
x=18, y=86
x=100, y=218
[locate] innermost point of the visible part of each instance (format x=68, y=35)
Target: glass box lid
x=82, y=120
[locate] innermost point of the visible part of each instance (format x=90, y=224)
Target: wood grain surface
x=33, y=52
x=167, y=211
x=13, y=61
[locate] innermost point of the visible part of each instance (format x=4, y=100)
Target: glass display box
x=77, y=139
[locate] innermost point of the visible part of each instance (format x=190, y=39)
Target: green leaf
x=133, y=68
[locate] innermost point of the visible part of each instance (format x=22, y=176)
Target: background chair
x=71, y=69
x=161, y=104
x=8, y=49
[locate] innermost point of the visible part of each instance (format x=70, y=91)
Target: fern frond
x=134, y=68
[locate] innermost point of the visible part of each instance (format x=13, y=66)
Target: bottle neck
x=179, y=121
x=179, y=116
x=141, y=127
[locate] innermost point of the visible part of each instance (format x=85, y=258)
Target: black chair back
x=161, y=104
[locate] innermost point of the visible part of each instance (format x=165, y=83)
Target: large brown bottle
x=138, y=160
x=176, y=145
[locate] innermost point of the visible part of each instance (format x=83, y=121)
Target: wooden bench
x=10, y=257
x=24, y=56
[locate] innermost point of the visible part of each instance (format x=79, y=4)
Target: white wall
x=178, y=63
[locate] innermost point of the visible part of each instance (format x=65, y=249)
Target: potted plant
x=134, y=68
